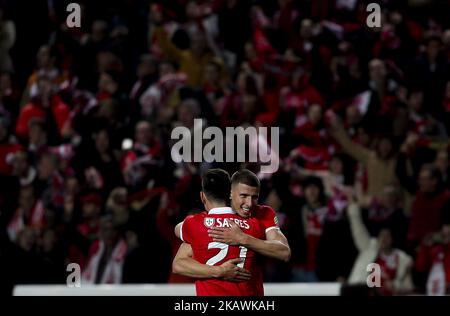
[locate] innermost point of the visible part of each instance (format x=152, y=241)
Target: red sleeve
x=186, y=231
x=268, y=218
x=28, y=112
x=61, y=112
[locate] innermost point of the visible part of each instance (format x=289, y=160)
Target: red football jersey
x=266, y=216
x=194, y=231
x=267, y=219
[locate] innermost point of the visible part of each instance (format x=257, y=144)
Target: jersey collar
x=221, y=210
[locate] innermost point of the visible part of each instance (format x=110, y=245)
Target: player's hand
x=232, y=236
x=231, y=272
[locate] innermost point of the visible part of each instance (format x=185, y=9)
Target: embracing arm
x=275, y=246
x=184, y=264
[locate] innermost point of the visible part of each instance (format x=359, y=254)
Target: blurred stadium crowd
x=86, y=115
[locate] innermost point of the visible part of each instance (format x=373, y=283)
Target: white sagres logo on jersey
x=224, y=222
x=208, y=221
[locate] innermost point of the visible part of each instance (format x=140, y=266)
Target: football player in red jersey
x=244, y=197
x=194, y=230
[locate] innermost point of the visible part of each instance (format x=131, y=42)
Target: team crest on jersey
x=209, y=221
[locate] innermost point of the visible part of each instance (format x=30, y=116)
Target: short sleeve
x=186, y=229
x=268, y=218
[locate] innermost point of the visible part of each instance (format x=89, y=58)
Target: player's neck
x=210, y=206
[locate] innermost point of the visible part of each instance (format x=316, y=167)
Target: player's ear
x=202, y=197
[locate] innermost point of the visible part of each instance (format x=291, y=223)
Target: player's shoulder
x=193, y=217
x=263, y=210
x=266, y=215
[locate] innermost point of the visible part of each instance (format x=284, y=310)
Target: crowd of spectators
x=86, y=173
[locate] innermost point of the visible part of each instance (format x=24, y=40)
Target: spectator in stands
x=431, y=200
x=431, y=67
x=37, y=137
x=8, y=146
x=387, y=211
x=147, y=74
x=29, y=213
x=91, y=45
x=9, y=96
x=304, y=229
x=23, y=168
x=213, y=84
x=242, y=106
x=380, y=163
x=140, y=162
x=71, y=199
x=433, y=261
x=91, y=207
x=100, y=167
x=49, y=183
x=395, y=265
x=99, y=103
x=46, y=68
x=45, y=104
x=106, y=257
x=157, y=100
x=296, y=98
x=193, y=60
x=117, y=206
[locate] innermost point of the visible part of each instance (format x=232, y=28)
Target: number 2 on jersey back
x=223, y=253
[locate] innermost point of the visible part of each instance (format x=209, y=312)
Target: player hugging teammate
x=221, y=245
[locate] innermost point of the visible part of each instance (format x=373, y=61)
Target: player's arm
x=275, y=246
x=184, y=264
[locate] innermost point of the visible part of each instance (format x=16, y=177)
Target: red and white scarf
x=113, y=270
x=436, y=284
x=18, y=222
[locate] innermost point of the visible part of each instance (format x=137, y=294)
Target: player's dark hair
x=246, y=177
x=216, y=185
